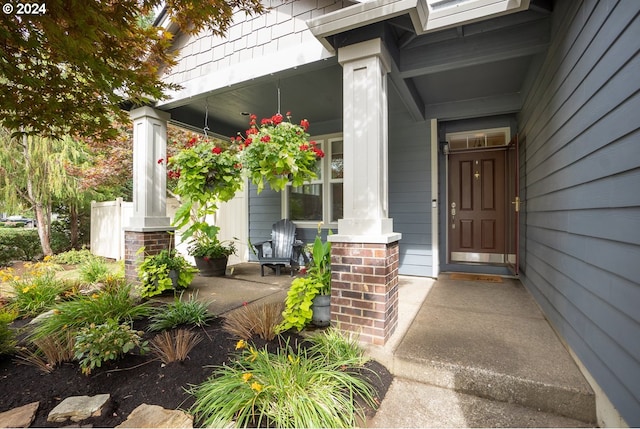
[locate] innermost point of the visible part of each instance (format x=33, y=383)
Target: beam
x=483, y=106
x=528, y=39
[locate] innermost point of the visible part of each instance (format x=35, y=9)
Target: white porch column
x=149, y=226
x=149, y=176
x=365, y=67
x=365, y=251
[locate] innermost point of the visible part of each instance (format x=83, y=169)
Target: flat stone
x=20, y=417
x=154, y=416
x=78, y=408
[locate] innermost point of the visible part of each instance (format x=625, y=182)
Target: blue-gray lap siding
x=580, y=160
x=409, y=194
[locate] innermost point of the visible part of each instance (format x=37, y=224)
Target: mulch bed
x=133, y=380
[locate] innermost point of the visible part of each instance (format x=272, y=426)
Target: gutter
x=426, y=15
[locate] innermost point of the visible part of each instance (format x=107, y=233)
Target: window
x=320, y=200
x=478, y=139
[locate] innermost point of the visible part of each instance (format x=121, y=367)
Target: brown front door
x=476, y=206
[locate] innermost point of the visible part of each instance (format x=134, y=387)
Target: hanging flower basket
x=278, y=152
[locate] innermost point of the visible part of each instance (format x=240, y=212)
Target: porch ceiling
x=478, y=69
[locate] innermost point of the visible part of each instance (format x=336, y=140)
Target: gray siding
x=410, y=189
x=580, y=161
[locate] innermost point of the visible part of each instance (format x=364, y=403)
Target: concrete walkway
x=467, y=353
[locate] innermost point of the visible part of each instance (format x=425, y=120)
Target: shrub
x=19, y=244
x=290, y=388
x=172, y=346
x=254, y=319
x=49, y=351
x=179, y=312
x=94, y=270
x=74, y=257
x=81, y=311
x=95, y=344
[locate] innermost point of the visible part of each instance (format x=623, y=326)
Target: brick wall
x=153, y=242
x=364, y=289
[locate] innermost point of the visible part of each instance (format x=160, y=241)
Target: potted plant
x=309, y=297
x=165, y=271
x=211, y=255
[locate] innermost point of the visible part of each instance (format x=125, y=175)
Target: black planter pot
x=321, y=308
x=212, y=267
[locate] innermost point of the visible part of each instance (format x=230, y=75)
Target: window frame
x=325, y=143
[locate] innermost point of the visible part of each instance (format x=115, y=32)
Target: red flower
x=288, y=114
x=253, y=117
x=277, y=118
x=216, y=150
x=174, y=174
x=248, y=141
x=319, y=152
x=161, y=160
x=265, y=121
x=237, y=166
x=304, y=124
x=265, y=139
x=252, y=131
x=206, y=258
x=304, y=147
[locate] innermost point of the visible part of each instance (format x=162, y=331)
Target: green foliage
x=114, y=303
x=94, y=270
x=95, y=344
x=19, y=244
x=320, y=268
x=179, y=312
x=54, y=83
x=289, y=389
x=205, y=248
x=337, y=346
x=279, y=152
x=74, y=257
x=156, y=271
x=7, y=335
x=297, y=312
x=34, y=295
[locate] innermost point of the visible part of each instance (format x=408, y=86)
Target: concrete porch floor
x=465, y=353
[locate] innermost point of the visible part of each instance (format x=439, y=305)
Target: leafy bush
x=74, y=257
x=94, y=270
x=174, y=346
x=156, y=270
x=297, y=312
x=95, y=344
x=254, y=319
x=19, y=244
x=179, y=312
x=113, y=303
x=291, y=388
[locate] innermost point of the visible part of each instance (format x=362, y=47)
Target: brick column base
x=364, y=289
x=153, y=242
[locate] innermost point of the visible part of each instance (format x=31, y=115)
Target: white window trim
x=505, y=130
x=326, y=181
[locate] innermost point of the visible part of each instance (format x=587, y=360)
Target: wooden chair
x=285, y=249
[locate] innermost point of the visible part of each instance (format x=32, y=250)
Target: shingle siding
x=249, y=37
x=580, y=171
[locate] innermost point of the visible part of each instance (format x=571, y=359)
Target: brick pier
x=152, y=241
x=364, y=289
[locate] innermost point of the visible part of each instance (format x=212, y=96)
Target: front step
x=412, y=404
x=569, y=402
x=491, y=340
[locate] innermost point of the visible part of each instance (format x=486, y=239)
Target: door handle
x=453, y=215
x=516, y=203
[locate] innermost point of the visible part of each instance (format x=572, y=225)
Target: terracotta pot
x=212, y=267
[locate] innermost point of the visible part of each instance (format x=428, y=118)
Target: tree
x=69, y=70
x=33, y=171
